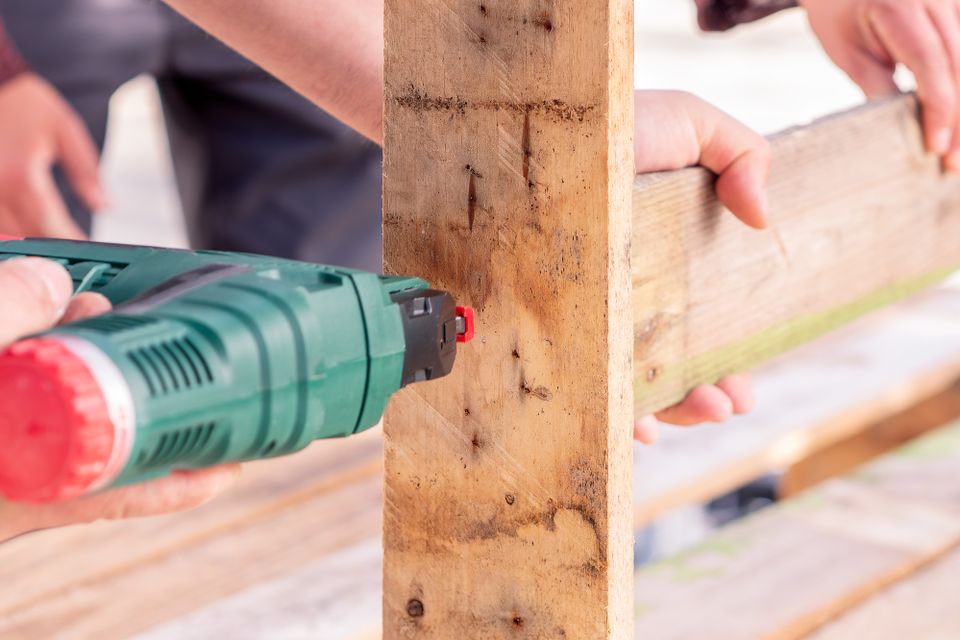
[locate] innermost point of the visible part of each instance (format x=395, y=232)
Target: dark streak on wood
x=471, y=200
x=559, y=110
x=525, y=146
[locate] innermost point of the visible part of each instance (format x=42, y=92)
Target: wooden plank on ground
x=177, y=583
x=140, y=557
x=334, y=597
x=872, y=442
x=789, y=569
x=861, y=216
x=924, y=605
x=508, y=172
x=807, y=400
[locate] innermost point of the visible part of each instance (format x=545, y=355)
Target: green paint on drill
x=674, y=380
x=257, y=357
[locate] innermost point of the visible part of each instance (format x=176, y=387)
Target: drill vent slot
x=113, y=323
x=172, y=366
x=178, y=446
x=88, y=274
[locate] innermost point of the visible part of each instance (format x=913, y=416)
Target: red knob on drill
x=56, y=433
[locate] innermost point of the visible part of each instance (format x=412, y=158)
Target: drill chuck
x=207, y=358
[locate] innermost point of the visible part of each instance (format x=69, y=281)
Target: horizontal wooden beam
x=860, y=216
x=875, y=440
x=924, y=605
x=791, y=568
x=886, y=365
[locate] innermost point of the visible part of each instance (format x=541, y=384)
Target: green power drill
x=207, y=357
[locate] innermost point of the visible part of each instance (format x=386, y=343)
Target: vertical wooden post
x=508, y=175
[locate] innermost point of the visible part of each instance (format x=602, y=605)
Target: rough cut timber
x=508, y=174
x=861, y=216
x=789, y=569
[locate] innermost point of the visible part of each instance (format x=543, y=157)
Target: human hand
x=676, y=130
x=39, y=292
x=38, y=129
x=869, y=38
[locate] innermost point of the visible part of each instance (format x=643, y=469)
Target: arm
x=329, y=50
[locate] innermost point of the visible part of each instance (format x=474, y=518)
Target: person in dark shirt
x=258, y=168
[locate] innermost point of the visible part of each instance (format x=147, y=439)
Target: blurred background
x=771, y=75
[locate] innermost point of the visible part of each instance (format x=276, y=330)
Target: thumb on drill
x=35, y=293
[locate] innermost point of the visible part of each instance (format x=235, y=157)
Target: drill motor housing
x=207, y=357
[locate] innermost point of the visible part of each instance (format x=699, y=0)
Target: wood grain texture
x=842, y=457
x=861, y=216
x=115, y=579
x=507, y=171
x=925, y=605
x=337, y=596
x=807, y=400
x=790, y=569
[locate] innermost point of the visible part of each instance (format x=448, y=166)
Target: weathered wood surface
x=335, y=597
x=875, y=440
x=789, y=569
x=926, y=606
x=507, y=180
x=861, y=216
x=921, y=337
x=807, y=400
x=112, y=580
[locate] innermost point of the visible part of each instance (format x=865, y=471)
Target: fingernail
x=54, y=277
x=941, y=141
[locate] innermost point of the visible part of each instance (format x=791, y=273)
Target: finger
x=741, y=159
x=10, y=224
x=85, y=305
x=646, y=430
x=945, y=17
x=180, y=491
x=911, y=38
x=80, y=160
x=739, y=388
x=35, y=293
x=706, y=403
x=874, y=78
x=42, y=212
